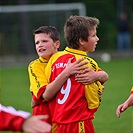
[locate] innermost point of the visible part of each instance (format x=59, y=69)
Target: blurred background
x=18, y=18
x=114, y=52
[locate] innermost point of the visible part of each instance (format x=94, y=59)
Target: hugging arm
x=89, y=76
x=71, y=69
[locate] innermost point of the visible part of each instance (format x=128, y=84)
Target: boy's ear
x=57, y=44
x=81, y=41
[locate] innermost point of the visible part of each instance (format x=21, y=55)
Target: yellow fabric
x=54, y=128
x=81, y=127
x=132, y=89
x=37, y=77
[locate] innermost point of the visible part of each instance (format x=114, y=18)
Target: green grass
x=117, y=90
x=14, y=90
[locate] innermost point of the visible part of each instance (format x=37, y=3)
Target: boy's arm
x=10, y=119
x=89, y=76
x=55, y=86
x=122, y=107
x=18, y=120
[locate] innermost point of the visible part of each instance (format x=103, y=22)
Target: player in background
x=47, y=42
x=122, y=107
x=74, y=106
x=18, y=120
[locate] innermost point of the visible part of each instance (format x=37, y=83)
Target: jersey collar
x=42, y=60
x=75, y=51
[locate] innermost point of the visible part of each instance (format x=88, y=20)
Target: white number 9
x=65, y=91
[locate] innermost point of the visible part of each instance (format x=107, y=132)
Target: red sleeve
x=10, y=119
x=132, y=90
x=40, y=92
x=39, y=99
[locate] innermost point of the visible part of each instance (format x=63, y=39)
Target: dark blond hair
x=77, y=27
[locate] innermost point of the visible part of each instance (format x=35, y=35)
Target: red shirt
x=71, y=104
x=74, y=102
x=10, y=119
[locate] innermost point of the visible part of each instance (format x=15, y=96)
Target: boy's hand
x=35, y=124
x=121, y=108
x=88, y=76
x=76, y=67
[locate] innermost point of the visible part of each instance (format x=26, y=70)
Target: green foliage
x=15, y=92
x=105, y=10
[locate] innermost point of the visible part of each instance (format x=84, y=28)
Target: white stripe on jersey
x=13, y=111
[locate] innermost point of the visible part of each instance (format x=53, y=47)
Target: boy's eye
x=36, y=43
x=44, y=41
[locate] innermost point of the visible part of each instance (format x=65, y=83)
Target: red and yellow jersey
x=38, y=84
x=11, y=119
x=75, y=101
x=132, y=90
x=37, y=77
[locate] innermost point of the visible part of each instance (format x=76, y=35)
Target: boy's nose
x=40, y=44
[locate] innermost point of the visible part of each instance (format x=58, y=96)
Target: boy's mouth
x=42, y=50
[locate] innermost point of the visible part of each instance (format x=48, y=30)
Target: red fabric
x=10, y=119
x=40, y=92
x=43, y=109
x=131, y=92
x=77, y=127
x=36, y=99
x=76, y=102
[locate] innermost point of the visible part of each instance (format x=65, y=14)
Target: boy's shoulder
x=55, y=57
x=90, y=58
x=57, y=54
x=37, y=61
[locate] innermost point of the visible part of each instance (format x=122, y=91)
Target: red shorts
x=77, y=127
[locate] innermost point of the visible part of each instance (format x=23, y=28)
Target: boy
x=47, y=43
x=75, y=104
x=122, y=107
x=13, y=120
